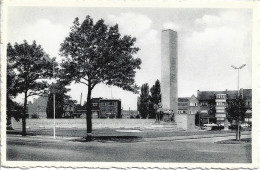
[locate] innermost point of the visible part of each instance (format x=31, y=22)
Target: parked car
x=234, y=126
x=245, y=125
x=210, y=125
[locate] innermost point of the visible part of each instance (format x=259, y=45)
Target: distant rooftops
x=100, y=98
x=183, y=99
x=231, y=94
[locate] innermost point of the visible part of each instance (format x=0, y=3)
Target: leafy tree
x=11, y=93
x=30, y=66
x=155, y=92
x=155, y=97
x=95, y=53
x=212, y=107
x=60, y=99
x=144, y=101
x=197, y=118
x=13, y=110
x=151, y=110
x=236, y=110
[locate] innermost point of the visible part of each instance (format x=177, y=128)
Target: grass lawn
x=113, y=132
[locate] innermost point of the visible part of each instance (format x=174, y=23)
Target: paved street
x=163, y=149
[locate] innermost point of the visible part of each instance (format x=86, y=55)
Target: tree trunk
x=24, y=115
x=89, y=116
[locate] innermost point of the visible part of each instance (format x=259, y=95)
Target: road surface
x=44, y=148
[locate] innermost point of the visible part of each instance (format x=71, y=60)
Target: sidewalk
x=191, y=137
x=204, y=137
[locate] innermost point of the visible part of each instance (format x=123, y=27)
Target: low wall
x=81, y=123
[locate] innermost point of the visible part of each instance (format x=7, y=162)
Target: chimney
x=198, y=93
x=242, y=92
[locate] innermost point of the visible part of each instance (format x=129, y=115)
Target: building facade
x=188, y=105
x=212, y=104
x=101, y=108
x=109, y=108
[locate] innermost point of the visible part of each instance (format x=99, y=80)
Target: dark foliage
x=144, y=101
x=61, y=99
x=27, y=65
x=236, y=110
x=155, y=97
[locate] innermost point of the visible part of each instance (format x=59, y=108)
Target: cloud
x=49, y=35
x=172, y=26
x=140, y=26
x=223, y=40
x=131, y=23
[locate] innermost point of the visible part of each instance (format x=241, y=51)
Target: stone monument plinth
x=185, y=121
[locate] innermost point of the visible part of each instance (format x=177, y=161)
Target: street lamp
x=54, y=114
x=238, y=68
x=46, y=58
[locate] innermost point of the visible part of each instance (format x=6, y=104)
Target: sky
x=209, y=42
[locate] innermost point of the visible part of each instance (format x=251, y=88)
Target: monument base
x=163, y=126
x=226, y=125
x=185, y=121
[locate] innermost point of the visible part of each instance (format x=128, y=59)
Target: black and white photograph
x=128, y=84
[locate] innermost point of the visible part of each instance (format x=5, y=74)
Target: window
x=195, y=104
x=94, y=104
x=203, y=103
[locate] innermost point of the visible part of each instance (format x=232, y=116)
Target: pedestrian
x=155, y=106
x=160, y=110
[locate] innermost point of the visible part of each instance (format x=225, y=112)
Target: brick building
x=107, y=108
x=101, y=108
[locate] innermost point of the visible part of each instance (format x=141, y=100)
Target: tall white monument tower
x=169, y=70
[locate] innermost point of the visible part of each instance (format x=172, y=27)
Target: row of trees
x=61, y=100
x=92, y=53
x=148, y=98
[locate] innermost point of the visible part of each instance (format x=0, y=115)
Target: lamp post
x=238, y=68
x=54, y=114
x=53, y=90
